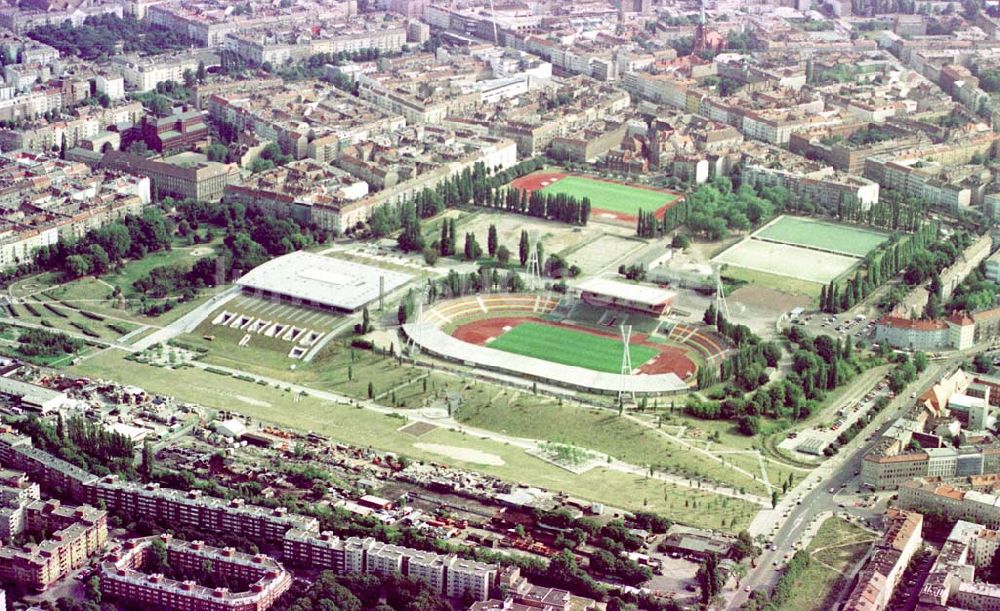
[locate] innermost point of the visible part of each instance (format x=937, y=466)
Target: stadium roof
x=638, y=293
x=326, y=281
x=434, y=340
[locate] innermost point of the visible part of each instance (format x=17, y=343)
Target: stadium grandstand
x=643, y=299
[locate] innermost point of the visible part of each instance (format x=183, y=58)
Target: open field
x=600, y=430
x=362, y=427
x=604, y=251
x=556, y=238
x=569, y=347
x=837, y=547
x=787, y=261
x=607, y=198
x=831, y=237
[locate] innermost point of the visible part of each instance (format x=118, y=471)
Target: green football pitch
x=611, y=196
x=827, y=236
x=569, y=347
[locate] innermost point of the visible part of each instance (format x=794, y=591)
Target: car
x=833, y=490
x=746, y=588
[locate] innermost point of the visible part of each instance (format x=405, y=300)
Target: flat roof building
x=322, y=281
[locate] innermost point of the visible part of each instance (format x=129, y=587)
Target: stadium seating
x=512, y=304
x=709, y=344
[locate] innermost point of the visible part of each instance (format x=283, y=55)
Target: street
x=785, y=525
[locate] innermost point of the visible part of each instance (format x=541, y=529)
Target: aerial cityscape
x=499, y=305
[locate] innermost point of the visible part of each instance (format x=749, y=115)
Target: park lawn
x=828, y=236
x=837, y=547
x=362, y=427
x=610, y=196
x=523, y=415
x=569, y=347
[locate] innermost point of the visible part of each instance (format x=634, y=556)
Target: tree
x=522, y=248
x=371, y=390
x=148, y=462
x=188, y=77
x=503, y=255
x=472, y=249
x=201, y=72
x=920, y=361
x=681, y=241
x=77, y=266
x=982, y=363
x=491, y=240
x=366, y=323
x=709, y=578
x=216, y=152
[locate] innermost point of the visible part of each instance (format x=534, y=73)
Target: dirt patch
x=463, y=454
x=762, y=299
x=670, y=359
x=417, y=429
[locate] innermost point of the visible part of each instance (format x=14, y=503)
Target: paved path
x=188, y=322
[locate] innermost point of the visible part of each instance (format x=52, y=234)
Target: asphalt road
x=812, y=497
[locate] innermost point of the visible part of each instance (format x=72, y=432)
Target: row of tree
x=919, y=255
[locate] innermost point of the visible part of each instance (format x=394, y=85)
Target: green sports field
x=844, y=239
x=569, y=347
x=610, y=196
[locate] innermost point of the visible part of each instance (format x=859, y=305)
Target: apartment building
x=448, y=575
x=823, y=186
x=168, y=506
x=77, y=534
x=954, y=499
x=16, y=493
x=205, y=181
x=885, y=565
x=123, y=578
x=888, y=472
x=144, y=74
x=950, y=583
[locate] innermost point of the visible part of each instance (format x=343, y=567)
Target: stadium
x=572, y=340
x=610, y=200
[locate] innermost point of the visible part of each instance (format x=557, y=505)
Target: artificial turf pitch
x=610, y=196
x=569, y=347
x=827, y=236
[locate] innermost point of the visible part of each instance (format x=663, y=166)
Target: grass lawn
x=365, y=428
x=610, y=196
x=837, y=547
x=523, y=415
x=828, y=236
x=569, y=347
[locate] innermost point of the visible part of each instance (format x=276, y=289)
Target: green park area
x=844, y=239
x=569, y=347
x=611, y=196
x=278, y=405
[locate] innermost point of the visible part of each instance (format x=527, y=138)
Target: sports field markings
x=569, y=347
